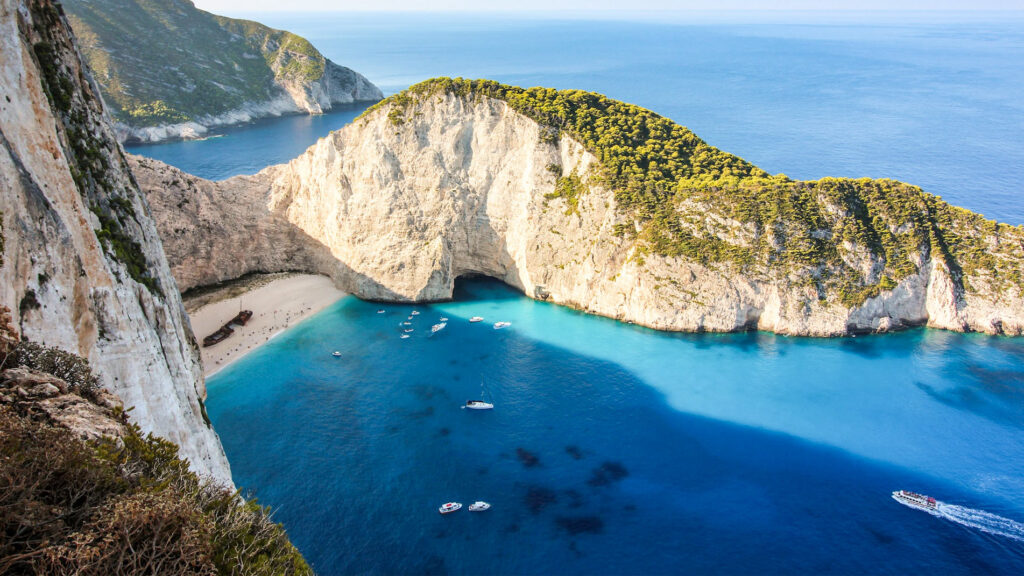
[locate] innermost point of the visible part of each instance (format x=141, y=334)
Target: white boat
x=479, y=405
x=381, y=311
x=404, y=336
x=437, y=327
x=336, y=354
x=500, y=325
x=479, y=506
x=443, y=319
x=407, y=330
x=915, y=500
x=477, y=319
x=406, y=323
x=415, y=312
x=449, y=507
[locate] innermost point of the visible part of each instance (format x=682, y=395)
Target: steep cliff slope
x=83, y=268
x=596, y=204
x=168, y=70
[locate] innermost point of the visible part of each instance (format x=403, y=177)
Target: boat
x=443, y=319
x=381, y=311
x=479, y=506
x=406, y=323
x=437, y=327
x=222, y=333
x=500, y=325
x=415, y=313
x=404, y=336
x=477, y=319
x=336, y=354
x=449, y=507
x=407, y=330
x=915, y=500
x=479, y=405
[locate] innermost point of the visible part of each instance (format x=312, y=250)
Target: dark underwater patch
x=574, y=451
x=576, y=525
x=538, y=497
x=529, y=459
x=607, y=473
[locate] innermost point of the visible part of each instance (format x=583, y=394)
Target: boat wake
x=980, y=520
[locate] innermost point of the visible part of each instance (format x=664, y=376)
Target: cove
x=616, y=449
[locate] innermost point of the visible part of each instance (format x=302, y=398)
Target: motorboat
x=479, y=506
x=500, y=325
x=477, y=319
x=443, y=319
x=406, y=323
x=381, y=311
x=415, y=313
x=404, y=336
x=449, y=507
x=479, y=405
x=437, y=327
x=915, y=500
x=407, y=330
x=336, y=354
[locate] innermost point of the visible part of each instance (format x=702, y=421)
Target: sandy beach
x=278, y=302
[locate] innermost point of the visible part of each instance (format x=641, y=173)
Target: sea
x=615, y=449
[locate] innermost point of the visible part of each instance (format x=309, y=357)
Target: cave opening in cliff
x=468, y=287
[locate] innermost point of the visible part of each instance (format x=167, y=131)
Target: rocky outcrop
x=83, y=268
x=169, y=70
x=438, y=184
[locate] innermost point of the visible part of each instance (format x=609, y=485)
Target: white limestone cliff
x=398, y=209
x=69, y=204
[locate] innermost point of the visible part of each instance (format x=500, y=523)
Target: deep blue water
x=620, y=450
x=930, y=99
x=249, y=148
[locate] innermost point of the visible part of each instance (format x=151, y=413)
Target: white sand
x=276, y=306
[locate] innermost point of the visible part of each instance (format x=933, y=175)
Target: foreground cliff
x=169, y=70
x=82, y=265
x=595, y=204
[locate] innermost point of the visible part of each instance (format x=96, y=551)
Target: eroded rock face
x=83, y=268
x=398, y=208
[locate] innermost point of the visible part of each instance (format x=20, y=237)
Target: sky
x=227, y=6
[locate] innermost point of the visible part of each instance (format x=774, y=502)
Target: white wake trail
x=980, y=520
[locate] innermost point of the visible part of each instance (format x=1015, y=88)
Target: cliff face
x=443, y=182
x=83, y=268
x=169, y=70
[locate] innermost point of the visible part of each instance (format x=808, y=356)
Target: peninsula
x=588, y=202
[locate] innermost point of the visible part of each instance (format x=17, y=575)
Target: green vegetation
x=89, y=150
x=160, y=61
x=118, y=506
x=684, y=198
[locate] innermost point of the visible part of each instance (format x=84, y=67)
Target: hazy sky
x=535, y=5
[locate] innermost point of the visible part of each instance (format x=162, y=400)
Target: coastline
x=278, y=302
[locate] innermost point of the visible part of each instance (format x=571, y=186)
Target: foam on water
x=980, y=520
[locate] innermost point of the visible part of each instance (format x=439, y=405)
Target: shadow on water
x=356, y=469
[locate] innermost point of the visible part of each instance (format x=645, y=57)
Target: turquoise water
x=614, y=449
x=930, y=99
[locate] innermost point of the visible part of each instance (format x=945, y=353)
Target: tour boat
x=479, y=405
x=408, y=330
x=479, y=506
x=500, y=325
x=336, y=354
x=404, y=336
x=406, y=323
x=437, y=327
x=449, y=507
x=477, y=319
x=915, y=500
x=415, y=312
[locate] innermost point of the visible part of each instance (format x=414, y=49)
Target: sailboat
x=479, y=404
